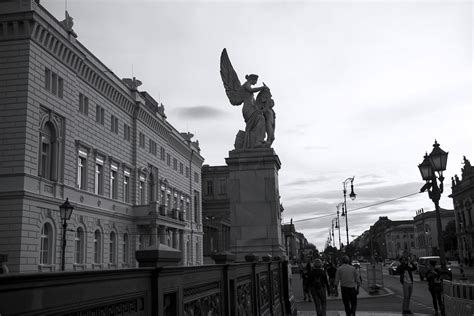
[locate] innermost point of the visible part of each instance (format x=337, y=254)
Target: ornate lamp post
x=352, y=195
x=435, y=162
x=65, y=210
x=338, y=224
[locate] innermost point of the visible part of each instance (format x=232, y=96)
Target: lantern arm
x=427, y=186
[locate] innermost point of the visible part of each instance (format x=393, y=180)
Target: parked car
x=355, y=263
x=393, y=268
x=424, y=266
x=387, y=262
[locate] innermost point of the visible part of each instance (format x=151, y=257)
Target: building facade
x=463, y=195
x=215, y=210
x=400, y=240
x=73, y=130
x=426, y=232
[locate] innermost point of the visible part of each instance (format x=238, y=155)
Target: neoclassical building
x=463, y=195
x=71, y=129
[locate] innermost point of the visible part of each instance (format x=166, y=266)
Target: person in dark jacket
x=306, y=292
x=406, y=279
x=435, y=286
x=331, y=271
x=318, y=286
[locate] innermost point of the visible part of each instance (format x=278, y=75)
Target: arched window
x=112, y=247
x=97, y=247
x=47, y=152
x=125, y=248
x=46, y=244
x=79, y=246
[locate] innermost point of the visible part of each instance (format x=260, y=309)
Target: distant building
x=215, y=210
x=426, y=232
x=378, y=238
x=71, y=128
x=462, y=195
x=295, y=242
x=400, y=240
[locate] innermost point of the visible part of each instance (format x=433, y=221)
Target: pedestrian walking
x=306, y=271
x=331, y=272
x=318, y=286
x=349, y=278
x=435, y=286
x=406, y=279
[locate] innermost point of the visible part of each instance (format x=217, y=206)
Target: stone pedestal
x=254, y=203
x=157, y=256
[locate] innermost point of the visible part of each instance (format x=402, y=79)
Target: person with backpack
x=318, y=286
x=435, y=286
x=350, y=282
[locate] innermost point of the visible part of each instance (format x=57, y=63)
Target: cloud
x=200, y=112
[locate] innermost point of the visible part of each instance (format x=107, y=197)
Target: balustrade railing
x=258, y=288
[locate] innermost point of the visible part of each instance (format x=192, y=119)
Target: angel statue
x=258, y=113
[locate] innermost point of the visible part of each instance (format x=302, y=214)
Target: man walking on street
x=349, y=278
x=406, y=279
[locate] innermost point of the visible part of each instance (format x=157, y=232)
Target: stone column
x=153, y=232
x=175, y=239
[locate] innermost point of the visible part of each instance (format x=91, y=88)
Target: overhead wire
x=356, y=209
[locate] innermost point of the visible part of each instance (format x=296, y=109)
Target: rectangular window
x=153, y=147
x=181, y=168
x=114, y=124
x=168, y=159
x=187, y=172
x=126, y=132
x=209, y=187
x=222, y=186
x=113, y=181
x=162, y=154
x=141, y=191
x=81, y=170
x=196, y=177
x=53, y=83
x=99, y=114
x=83, y=104
x=141, y=140
x=99, y=177
x=126, y=187
x=45, y=158
x=175, y=164
x=47, y=79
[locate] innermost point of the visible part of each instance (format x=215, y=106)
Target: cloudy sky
x=361, y=89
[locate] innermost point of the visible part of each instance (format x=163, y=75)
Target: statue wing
x=232, y=85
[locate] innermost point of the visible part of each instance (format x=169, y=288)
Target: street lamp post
x=65, y=211
x=352, y=195
x=338, y=224
x=435, y=162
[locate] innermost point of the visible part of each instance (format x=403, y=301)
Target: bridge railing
x=458, y=298
x=256, y=288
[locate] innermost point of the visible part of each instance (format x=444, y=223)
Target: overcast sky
x=361, y=89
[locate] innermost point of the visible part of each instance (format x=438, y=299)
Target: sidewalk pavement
x=297, y=289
